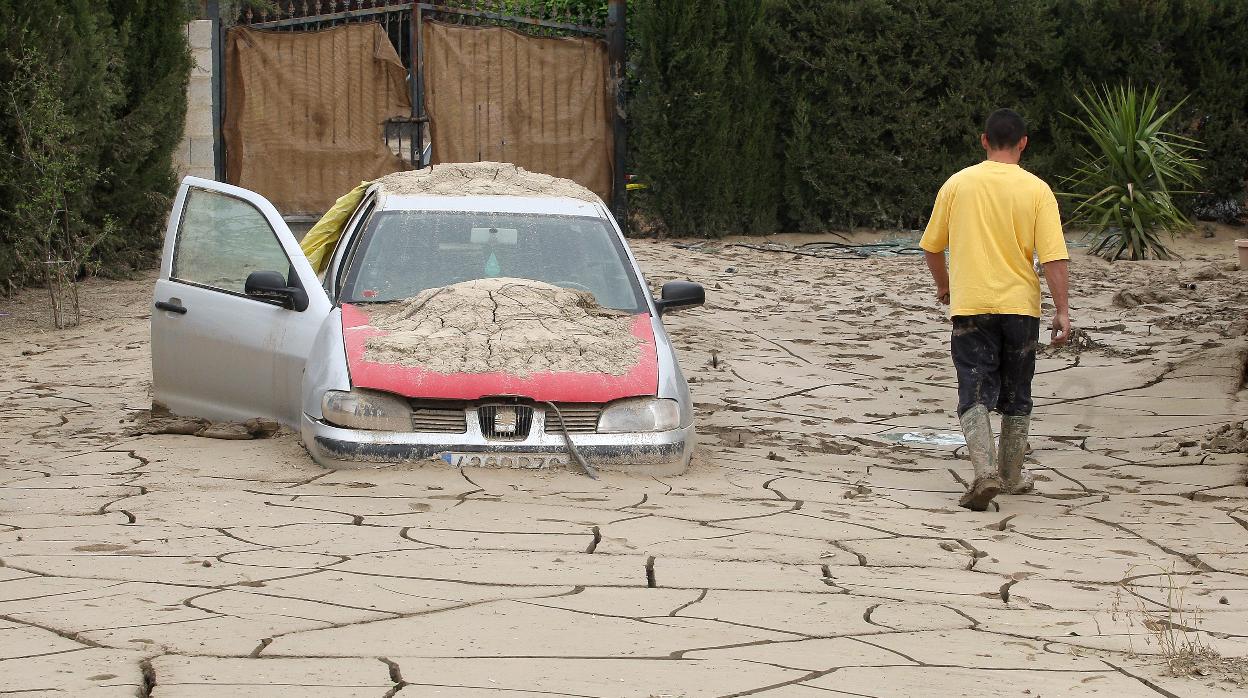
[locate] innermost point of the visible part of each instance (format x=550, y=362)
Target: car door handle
x=172, y=307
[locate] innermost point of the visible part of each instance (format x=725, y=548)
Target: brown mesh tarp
x=305, y=112
x=541, y=103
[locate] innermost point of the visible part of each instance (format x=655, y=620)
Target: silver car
x=243, y=327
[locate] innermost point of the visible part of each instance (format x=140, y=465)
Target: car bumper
x=660, y=453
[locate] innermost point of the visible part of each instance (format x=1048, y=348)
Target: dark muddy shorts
x=995, y=356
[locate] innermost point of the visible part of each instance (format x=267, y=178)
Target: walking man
x=992, y=217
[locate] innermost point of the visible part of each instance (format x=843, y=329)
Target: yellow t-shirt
x=992, y=217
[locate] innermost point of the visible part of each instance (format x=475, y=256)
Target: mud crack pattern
x=807, y=553
x=513, y=326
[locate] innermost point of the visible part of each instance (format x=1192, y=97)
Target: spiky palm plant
x=1125, y=185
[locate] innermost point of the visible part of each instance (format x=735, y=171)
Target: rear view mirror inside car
x=493, y=236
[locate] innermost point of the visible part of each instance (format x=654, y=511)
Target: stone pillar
x=194, y=155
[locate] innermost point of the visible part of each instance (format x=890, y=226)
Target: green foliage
x=1125, y=184
x=1213, y=58
x=702, y=118
x=584, y=10
x=48, y=163
x=60, y=97
x=883, y=100
x=95, y=103
x=1193, y=49
x=154, y=69
x=870, y=104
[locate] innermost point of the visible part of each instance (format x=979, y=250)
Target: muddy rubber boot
x=977, y=428
x=1013, y=447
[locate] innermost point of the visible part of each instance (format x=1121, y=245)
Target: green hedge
x=851, y=113
x=104, y=83
x=703, y=117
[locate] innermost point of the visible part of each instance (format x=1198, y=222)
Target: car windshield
x=402, y=253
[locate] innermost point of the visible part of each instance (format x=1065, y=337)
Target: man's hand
x=942, y=295
x=1057, y=274
x=1061, y=329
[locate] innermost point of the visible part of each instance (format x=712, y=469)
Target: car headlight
x=365, y=409
x=639, y=414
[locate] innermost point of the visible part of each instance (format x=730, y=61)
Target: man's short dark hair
x=1005, y=128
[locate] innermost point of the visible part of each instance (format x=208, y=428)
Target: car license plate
x=531, y=461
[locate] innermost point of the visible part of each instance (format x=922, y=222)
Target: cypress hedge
x=855, y=111
x=703, y=116
x=105, y=85
x=155, y=68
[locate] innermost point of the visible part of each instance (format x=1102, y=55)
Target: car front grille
x=439, y=419
x=501, y=422
x=580, y=419
x=505, y=422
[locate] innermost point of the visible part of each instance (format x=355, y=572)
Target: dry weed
x=1172, y=630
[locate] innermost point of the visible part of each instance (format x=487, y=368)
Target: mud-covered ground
x=815, y=548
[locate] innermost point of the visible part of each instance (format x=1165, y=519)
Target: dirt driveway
x=815, y=549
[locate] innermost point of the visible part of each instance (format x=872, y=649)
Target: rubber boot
x=977, y=428
x=1013, y=447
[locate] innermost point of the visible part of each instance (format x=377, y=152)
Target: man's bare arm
x=1057, y=274
x=940, y=274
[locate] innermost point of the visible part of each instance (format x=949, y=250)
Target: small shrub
x=1171, y=628
x=52, y=180
x=1125, y=184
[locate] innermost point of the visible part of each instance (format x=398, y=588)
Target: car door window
x=351, y=235
x=221, y=240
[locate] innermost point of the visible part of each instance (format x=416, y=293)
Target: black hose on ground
x=567, y=439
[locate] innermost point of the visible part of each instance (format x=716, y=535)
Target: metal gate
x=402, y=22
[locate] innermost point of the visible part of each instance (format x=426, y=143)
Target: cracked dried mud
x=482, y=179
x=512, y=326
x=809, y=551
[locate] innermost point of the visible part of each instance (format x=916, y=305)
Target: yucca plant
x=1124, y=186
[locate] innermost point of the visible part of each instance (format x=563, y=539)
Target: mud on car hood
x=417, y=382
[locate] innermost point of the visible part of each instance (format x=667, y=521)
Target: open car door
x=237, y=307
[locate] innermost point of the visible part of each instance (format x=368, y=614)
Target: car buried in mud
x=365, y=360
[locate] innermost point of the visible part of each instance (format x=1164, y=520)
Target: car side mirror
x=270, y=287
x=679, y=294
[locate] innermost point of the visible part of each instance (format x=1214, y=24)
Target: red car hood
x=416, y=382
